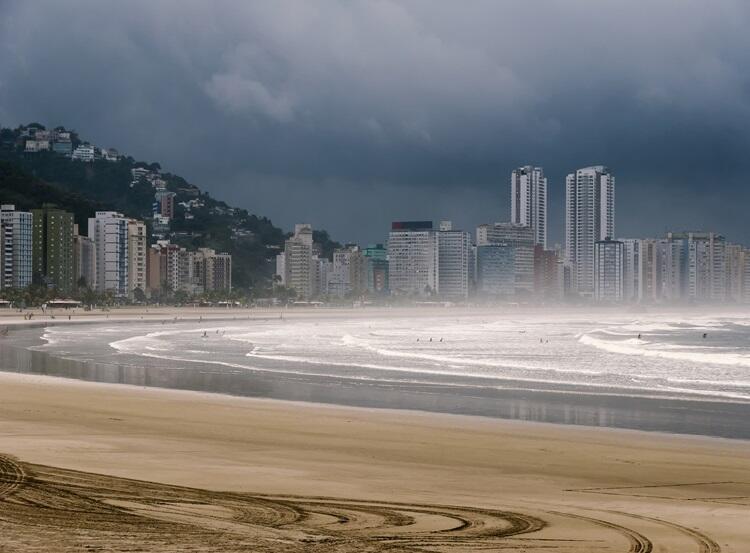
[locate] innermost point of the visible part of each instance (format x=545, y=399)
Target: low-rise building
x=85, y=153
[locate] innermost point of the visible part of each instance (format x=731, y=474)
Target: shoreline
x=591, y=485
x=456, y=419
x=564, y=404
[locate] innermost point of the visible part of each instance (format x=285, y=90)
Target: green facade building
x=53, y=248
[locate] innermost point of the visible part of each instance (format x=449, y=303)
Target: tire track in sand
x=12, y=477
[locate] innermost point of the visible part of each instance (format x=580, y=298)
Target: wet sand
x=219, y=473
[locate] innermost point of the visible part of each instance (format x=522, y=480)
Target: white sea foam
x=669, y=356
x=625, y=348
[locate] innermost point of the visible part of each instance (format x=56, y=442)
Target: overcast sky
x=350, y=114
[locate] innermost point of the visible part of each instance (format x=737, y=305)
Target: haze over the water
x=359, y=112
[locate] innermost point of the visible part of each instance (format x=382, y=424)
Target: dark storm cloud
x=349, y=114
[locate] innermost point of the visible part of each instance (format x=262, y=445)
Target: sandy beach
x=117, y=468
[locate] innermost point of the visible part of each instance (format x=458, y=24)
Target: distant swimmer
x=205, y=334
x=417, y=339
x=430, y=339
x=441, y=339
x=639, y=336
x=705, y=335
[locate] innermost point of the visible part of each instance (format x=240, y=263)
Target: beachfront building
x=694, y=267
x=212, y=271
x=15, y=247
x=547, y=277
x=671, y=269
x=297, y=263
x=321, y=270
x=172, y=268
x=52, y=246
x=376, y=268
x=347, y=275
x=413, y=252
x=737, y=262
x=640, y=270
x=521, y=239
x=84, y=259
x=454, y=252
x=496, y=272
x=589, y=217
x=109, y=230
x=609, y=256
x=137, y=258
x=528, y=201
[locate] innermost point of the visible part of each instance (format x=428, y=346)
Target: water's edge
x=572, y=405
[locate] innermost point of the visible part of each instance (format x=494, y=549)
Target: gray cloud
x=350, y=114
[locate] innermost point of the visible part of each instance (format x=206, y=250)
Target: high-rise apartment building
x=695, y=265
x=172, y=268
x=109, y=230
x=413, y=252
x=454, y=253
x=376, y=268
x=496, y=270
x=298, y=266
x=213, y=271
x=521, y=239
x=137, y=257
x=547, y=277
x=589, y=217
x=640, y=270
x=52, y=241
x=84, y=260
x=321, y=270
x=16, y=237
x=736, y=261
x=164, y=203
x=347, y=273
x=609, y=257
x=528, y=201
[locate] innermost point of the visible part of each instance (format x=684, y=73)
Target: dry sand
x=95, y=467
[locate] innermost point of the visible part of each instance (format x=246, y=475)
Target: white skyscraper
x=109, y=230
x=528, y=201
x=609, y=258
x=16, y=241
x=454, y=248
x=589, y=217
x=298, y=261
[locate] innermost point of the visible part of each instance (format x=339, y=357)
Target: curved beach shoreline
x=213, y=472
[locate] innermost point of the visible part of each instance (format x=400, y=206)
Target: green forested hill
x=30, y=179
x=26, y=192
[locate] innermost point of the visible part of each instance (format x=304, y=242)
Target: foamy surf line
x=361, y=372
x=292, y=365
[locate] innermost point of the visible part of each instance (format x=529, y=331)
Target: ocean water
x=579, y=368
